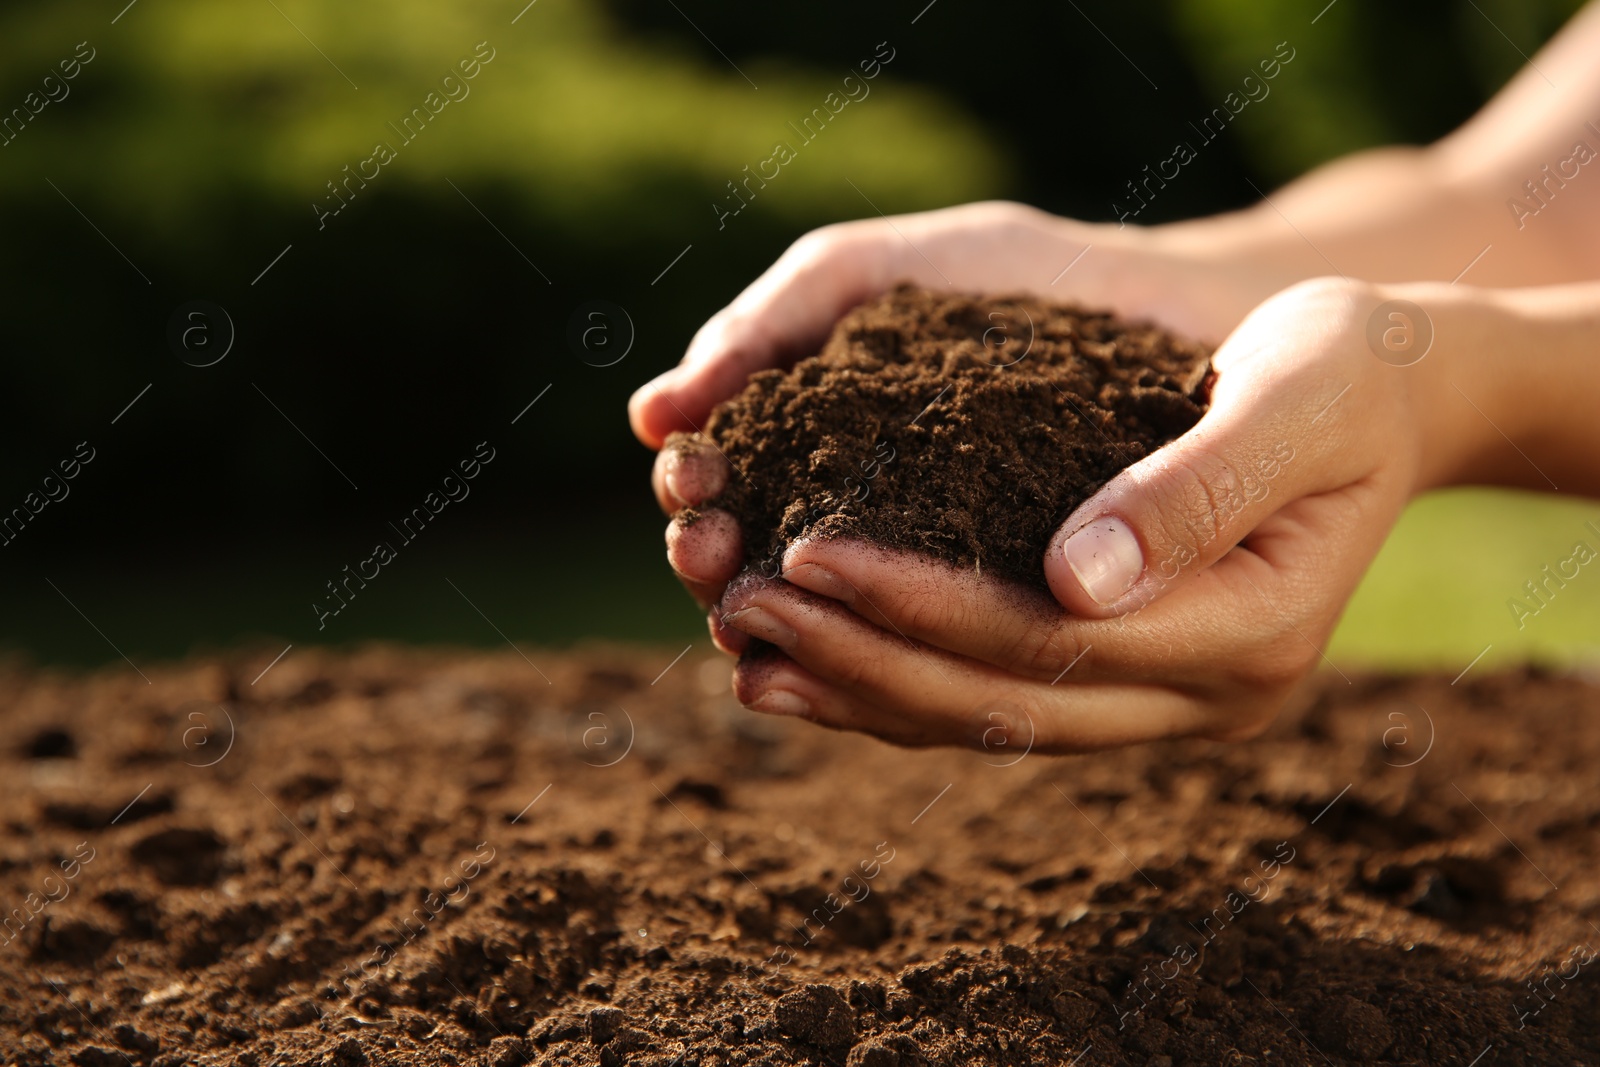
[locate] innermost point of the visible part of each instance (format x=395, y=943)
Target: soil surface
x=406, y=857
x=967, y=428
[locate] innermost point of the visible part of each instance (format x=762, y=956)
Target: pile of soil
x=967, y=428
x=400, y=857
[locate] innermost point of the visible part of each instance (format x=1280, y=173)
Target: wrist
x=1505, y=394
x=1244, y=234
x=1165, y=274
x=1436, y=339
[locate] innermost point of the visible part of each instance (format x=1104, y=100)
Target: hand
x=789, y=311
x=1190, y=594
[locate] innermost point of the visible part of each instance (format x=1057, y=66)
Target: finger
x=706, y=549
x=785, y=313
x=1303, y=562
x=1274, y=602
x=1019, y=629
x=734, y=642
x=950, y=698
x=1174, y=513
x=768, y=681
x=687, y=472
x=789, y=310
x=1005, y=624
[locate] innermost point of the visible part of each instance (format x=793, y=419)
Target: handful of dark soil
x=967, y=428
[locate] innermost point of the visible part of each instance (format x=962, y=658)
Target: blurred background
x=360, y=355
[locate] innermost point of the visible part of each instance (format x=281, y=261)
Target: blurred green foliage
x=1366, y=74
x=593, y=145
x=1442, y=589
x=190, y=104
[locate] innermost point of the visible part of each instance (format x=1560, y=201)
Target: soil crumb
x=399, y=856
x=964, y=427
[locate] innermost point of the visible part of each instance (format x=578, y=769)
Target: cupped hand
x=1190, y=594
x=789, y=311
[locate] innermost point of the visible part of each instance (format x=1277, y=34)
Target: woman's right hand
x=788, y=312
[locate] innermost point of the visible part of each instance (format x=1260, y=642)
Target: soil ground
x=404, y=857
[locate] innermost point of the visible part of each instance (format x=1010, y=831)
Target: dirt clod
x=507, y=1051
x=817, y=1015
x=99, y=1056
x=603, y=1024
x=181, y=855
x=136, y=1040
x=877, y=1055
x=1351, y=1027
x=347, y=1053
x=966, y=428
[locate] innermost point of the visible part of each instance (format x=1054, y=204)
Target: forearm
x=1512, y=198
x=1509, y=392
x=1393, y=215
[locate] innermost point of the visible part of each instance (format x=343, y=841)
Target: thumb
x=1185, y=506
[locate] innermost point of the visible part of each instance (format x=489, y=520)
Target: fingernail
x=1106, y=559
x=673, y=490
x=761, y=623
x=782, y=702
x=818, y=579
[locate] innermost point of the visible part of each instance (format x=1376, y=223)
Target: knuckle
x=809, y=247
x=1004, y=213
x=1201, y=496
x=819, y=245
x=929, y=616
x=1007, y=726
x=1246, y=722
x=1277, y=666
x=1045, y=651
x=707, y=339
x=1329, y=290
x=852, y=670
